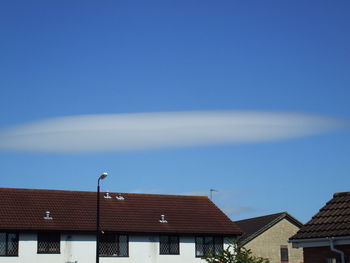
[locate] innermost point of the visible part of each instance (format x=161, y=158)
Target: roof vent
x=162, y=219
x=119, y=197
x=107, y=196
x=48, y=215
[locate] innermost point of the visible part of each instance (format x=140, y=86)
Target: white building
x=59, y=226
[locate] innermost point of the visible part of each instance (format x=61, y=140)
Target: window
x=169, y=245
x=113, y=245
x=284, y=253
x=334, y=260
x=206, y=245
x=8, y=244
x=49, y=243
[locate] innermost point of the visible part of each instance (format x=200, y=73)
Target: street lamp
x=102, y=176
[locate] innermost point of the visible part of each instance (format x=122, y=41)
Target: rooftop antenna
x=211, y=193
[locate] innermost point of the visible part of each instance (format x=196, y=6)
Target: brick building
x=326, y=237
x=267, y=236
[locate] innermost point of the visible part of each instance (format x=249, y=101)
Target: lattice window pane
x=199, y=246
x=108, y=245
x=49, y=242
x=164, y=245
x=123, y=246
x=169, y=245
x=208, y=245
x=8, y=244
x=113, y=245
x=218, y=245
x=174, y=245
x=12, y=244
x=2, y=244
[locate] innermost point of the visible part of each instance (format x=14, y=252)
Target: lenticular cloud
x=143, y=131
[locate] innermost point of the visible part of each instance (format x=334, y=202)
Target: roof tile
x=24, y=209
x=257, y=225
x=332, y=220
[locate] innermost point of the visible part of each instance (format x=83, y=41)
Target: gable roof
x=24, y=209
x=333, y=220
x=253, y=227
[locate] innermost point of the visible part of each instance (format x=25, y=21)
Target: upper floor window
x=169, y=245
x=8, y=244
x=208, y=244
x=49, y=242
x=284, y=254
x=114, y=245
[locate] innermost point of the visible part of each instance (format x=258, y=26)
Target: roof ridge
x=257, y=217
x=112, y=192
x=40, y=189
x=339, y=194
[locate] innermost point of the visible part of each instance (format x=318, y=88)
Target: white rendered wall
x=82, y=248
x=73, y=247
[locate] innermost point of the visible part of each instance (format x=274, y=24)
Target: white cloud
x=143, y=131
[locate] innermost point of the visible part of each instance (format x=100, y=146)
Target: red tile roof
x=24, y=209
x=333, y=220
x=253, y=227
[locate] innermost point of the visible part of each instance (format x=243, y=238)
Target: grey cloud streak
x=144, y=131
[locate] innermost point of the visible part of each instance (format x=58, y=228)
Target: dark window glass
x=284, y=254
x=49, y=243
x=169, y=245
x=8, y=244
x=207, y=245
x=199, y=247
x=218, y=245
x=114, y=245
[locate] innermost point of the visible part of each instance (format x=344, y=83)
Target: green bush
x=234, y=254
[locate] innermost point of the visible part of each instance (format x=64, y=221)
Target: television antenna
x=211, y=193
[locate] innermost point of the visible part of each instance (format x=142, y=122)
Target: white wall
x=73, y=247
x=82, y=248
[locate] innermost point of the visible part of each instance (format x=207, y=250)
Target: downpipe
x=331, y=243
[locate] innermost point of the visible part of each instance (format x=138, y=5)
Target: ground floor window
x=207, y=244
x=114, y=245
x=8, y=244
x=169, y=245
x=332, y=260
x=49, y=242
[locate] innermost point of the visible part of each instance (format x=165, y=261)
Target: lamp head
x=103, y=176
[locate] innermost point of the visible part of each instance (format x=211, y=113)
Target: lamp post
x=102, y=176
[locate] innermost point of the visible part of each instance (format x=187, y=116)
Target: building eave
x=319, y=242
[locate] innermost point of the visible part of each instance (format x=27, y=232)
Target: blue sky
x=71, y=58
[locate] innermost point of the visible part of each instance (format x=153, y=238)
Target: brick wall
x=268, y=244
x=320, y=254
